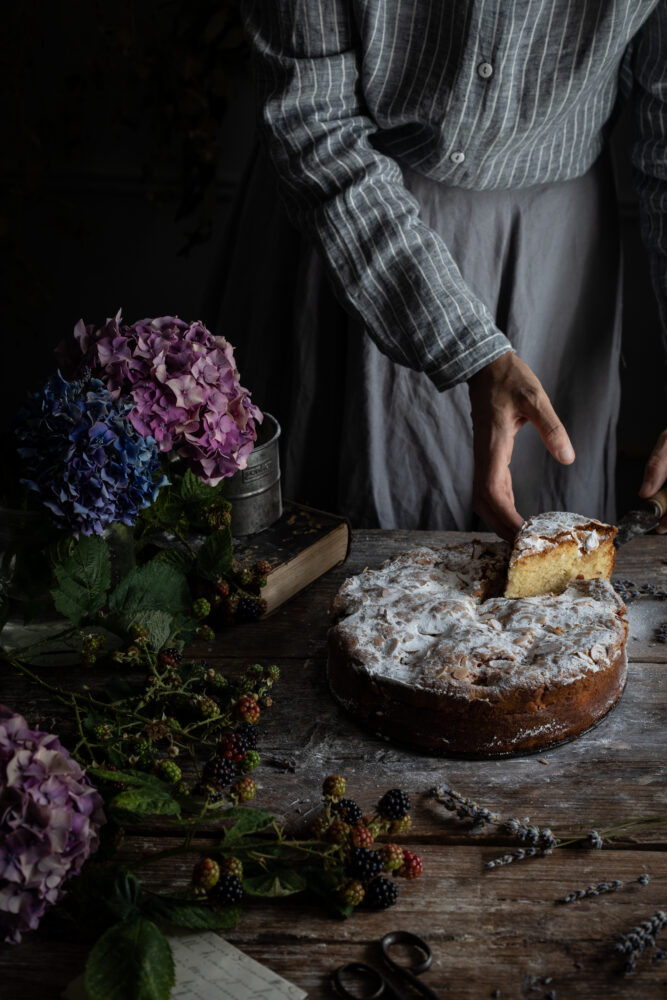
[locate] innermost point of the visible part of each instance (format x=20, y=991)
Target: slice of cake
x=552, y=549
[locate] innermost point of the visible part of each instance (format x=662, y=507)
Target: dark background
x=125, y=135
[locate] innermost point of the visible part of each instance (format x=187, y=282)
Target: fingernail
x=566, y=455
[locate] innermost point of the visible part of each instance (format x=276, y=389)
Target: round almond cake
x=424, y=651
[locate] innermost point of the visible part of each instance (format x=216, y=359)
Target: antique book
x=300, y=546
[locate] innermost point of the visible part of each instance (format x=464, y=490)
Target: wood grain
x=489, y=930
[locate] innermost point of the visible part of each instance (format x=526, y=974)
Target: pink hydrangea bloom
x=50, y=816
x=185, y=387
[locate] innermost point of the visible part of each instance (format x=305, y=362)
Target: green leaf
x=136, y=779
x=281, y=882
x=191, y=915
x=323, y=884
x=216, y=555
x=131, y=961
x=193, y=490
x=248, y=820
x=153, y=587
x=176, y=558
x=141, y=802
x=158, y=624
x=83, y=579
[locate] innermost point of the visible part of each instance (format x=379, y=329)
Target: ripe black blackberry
x=248, y=732
x=381, y=894
x=227, y=891
x=348, y=810
x=219, y=771
x=171, y=653
x=394, y=804
x=248, y=609
x=364, y=864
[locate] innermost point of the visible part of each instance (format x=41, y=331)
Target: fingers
x=655, y=472
x=541, y=413
x=493, y=497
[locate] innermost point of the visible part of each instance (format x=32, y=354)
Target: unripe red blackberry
x=400, y=825
x=227, y=892
x=222, y=587
x=363, y=864
x=338, y=832
x=250, y=761
x=334, y=786
x=169, y=657
x=206, y=633
x=231, y=866
x=138, y=633
x=169, y=771
x=381, y=894
x=412, y=866
x=248, y=709
x=233, y=746
x=392, y=857
x=394, y=804
x=245, y=788
x=206, y=873
x=352, y=892
x=262, y=568
x=361, y=836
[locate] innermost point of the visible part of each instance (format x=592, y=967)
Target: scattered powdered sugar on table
x=421, y=619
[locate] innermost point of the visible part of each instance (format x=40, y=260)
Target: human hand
x=655, y=475
x=504, y=395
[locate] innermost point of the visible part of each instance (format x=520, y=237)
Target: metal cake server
x=638, y=522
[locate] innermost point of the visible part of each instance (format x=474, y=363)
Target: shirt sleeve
x=391, y=271
x=649, y=152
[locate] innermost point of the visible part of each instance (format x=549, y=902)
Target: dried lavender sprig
x=528, y=832
x=640, y=937
x=508, y=859
x=600, y=887
x=463, y=807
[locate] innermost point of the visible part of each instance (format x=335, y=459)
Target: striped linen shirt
x=473, y=93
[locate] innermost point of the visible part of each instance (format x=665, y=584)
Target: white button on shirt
x=457, y=157
x=485, y=70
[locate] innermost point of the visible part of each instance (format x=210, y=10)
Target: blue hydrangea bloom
x=83, y=458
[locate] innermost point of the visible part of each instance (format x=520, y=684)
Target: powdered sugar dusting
x=543, y=531
x=421, y=619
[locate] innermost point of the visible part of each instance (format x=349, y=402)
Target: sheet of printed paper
x=209, y=968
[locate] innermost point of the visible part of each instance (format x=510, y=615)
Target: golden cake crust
x=422, y=654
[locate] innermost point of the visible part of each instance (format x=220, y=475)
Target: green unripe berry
x=250, y=761
x=169, y=771
x=201, y=608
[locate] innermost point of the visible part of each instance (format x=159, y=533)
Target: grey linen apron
x=376, y=441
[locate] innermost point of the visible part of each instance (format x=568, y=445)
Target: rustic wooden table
x=490, y=931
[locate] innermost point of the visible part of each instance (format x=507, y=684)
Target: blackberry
x=245, y=788
x=394, y=804
x=364, y=864
x=208, y=708
x=206, y=874
x=219, y=771
x=231, y=866
x=274, y=672
x=348, y=810
x=400, y=825
x=381, y=894
x=248, y=609
x=352, y=893
x=227, y=892
x=338, y=831
x=233, y=747
x=168, y=771
x=171, y=656
x=201, y=608
x=249, y=733
x=250, y=761
x=205, y=633
x=248, y=709
x=333, y=787
x=361, y=836
x=392, y=857
x=412, y=866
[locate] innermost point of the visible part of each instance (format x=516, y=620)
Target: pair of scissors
x=359, y=971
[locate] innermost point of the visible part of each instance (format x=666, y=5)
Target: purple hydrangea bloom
x=185, y=387
x=50, y=816
x=83, y=457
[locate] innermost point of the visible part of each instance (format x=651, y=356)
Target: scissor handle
x=366, y=972
x=409, y=972
x=405, y=937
